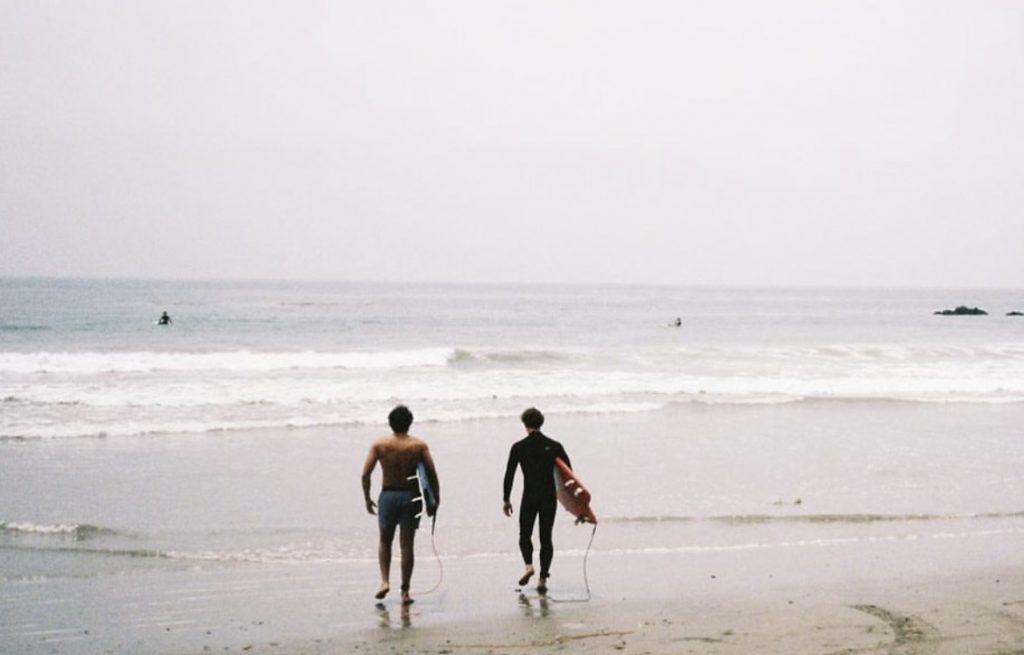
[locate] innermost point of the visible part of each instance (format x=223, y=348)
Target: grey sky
x=846, y=143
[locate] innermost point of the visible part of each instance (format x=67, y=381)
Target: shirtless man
x=398, y=454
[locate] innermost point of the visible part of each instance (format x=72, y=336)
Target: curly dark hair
x=400, y=419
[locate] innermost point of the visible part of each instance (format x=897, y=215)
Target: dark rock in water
x=1015, y=314
x=962, y=310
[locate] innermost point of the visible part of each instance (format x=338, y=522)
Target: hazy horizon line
x=500, y=283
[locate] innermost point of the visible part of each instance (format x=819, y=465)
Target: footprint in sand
x=912, y=635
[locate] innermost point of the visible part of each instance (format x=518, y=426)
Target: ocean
x=84, y=358
x=154, y=478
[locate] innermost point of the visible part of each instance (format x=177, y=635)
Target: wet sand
x=981, y=613
x=955, y=589
x=909, y=539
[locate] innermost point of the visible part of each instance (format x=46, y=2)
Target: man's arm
x=510, y=475
x=563, y=456
x=435, y=482
x=371, y=461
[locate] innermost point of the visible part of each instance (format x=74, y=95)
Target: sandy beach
x=955, y=590
x=907, y=538
x=978, y=613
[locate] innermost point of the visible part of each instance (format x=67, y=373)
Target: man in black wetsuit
x=536, y=455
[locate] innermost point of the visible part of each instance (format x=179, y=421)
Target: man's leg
x=387, y=536
x=547, y=549
x=406, y=539
x=527, y=517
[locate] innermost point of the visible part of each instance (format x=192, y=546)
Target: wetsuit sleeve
x=564, y=456
x=510, y=472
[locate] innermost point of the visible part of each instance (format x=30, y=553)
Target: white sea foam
x=31, y=528
x=332, y=553
x=74, y=530
x=815, y=358
x=121, y=393
x=241, y=361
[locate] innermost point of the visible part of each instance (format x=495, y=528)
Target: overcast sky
x=834, y=143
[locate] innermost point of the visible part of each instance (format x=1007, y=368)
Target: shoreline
x=273, y=550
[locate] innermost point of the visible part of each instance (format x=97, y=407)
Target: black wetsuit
x=536, y=455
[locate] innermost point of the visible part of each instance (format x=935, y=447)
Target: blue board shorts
x=397, y=507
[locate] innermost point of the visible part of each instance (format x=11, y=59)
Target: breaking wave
x=75, y=531
x=240, y=361
x=821, y=359
x=511, y=357
x=245, y=361
x=73, y=394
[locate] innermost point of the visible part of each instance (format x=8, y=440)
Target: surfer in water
x=399, y=454
x=164, y=319
x=536, y=456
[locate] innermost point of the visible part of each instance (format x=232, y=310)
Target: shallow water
x=686, y=477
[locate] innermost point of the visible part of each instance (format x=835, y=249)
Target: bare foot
x=542, y=586
x=384, y=589
x=525, y=580
x=406, y=600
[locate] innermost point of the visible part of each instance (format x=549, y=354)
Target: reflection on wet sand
x=384, y=616
x=528, y=606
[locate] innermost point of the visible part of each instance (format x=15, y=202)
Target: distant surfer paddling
x=399, y=455
x=164, y=319
x=536, y=456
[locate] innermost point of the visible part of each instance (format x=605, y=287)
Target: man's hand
x=371, y=506
x=507, y=509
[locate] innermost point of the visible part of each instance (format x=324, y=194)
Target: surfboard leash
x=437, y=557
x=586, y=578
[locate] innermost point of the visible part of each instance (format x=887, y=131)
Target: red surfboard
x=572, y=494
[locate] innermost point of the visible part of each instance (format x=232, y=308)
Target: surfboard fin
x=422, y=501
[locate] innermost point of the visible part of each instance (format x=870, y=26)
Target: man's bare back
x=398, y=456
